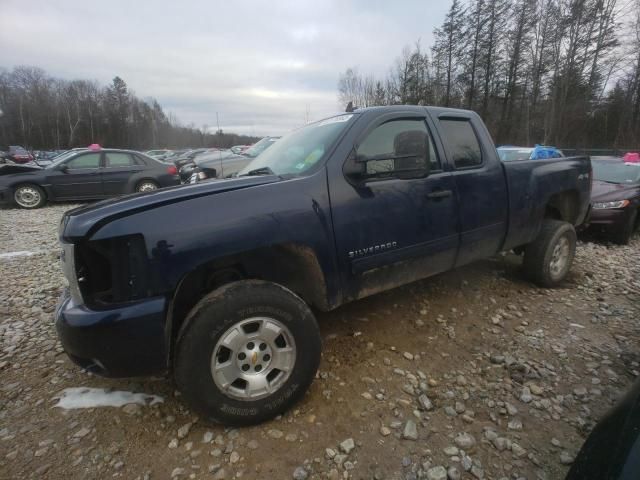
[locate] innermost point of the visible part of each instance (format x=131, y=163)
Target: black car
x=87, y=174
x=612, y=450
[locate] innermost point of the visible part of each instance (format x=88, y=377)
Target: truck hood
x=82, y=221
x=610, y=192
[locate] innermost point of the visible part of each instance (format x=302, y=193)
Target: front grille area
x=112, y=271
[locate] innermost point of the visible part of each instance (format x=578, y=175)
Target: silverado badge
x=361, y=252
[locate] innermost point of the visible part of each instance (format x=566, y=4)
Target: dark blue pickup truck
x=215, y=282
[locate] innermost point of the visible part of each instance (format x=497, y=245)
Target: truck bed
x=533, y=183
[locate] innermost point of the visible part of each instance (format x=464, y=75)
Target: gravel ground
x=472, y=374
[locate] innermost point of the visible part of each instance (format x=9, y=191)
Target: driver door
x=80, y=179
x=394, y=227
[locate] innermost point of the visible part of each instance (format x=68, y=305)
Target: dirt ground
x=501, y=379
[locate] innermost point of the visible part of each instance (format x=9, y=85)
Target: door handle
x=438, y=194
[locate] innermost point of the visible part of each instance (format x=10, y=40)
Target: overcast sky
x=260, y=64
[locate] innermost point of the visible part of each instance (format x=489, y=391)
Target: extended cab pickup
x=215, y=282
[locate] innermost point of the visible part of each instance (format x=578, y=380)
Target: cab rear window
x=461, y=142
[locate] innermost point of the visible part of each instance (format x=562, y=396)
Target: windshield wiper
x=258, y=171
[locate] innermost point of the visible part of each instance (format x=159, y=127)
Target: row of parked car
x=203, y=164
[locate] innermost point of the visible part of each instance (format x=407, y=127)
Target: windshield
x=301, y=149
x=616, y=172
x=61, y=158
x=510, y=154
x=259, y=147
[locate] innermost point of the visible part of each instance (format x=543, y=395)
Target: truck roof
x=416, y=108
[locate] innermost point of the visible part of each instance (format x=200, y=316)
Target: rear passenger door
x=118, y=168
x=480, y=185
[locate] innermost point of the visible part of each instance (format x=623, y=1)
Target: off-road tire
x=538, y=254
x=212, y=318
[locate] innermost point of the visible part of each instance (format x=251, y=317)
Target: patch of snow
x=16, y=254
x=86, y=397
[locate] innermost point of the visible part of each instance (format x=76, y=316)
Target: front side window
x=398, y=146
x=88, y=160
x=462, y=142
x=118, y=159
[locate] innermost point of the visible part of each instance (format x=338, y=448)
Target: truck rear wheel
x=247, y=352
x=548, y=259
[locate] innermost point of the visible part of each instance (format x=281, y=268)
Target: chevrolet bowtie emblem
x=254, y=358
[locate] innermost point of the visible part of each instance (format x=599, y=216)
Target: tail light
x=172, y=170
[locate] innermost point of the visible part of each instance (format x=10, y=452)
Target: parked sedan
x=88, y=174
x=18, y=154
x=187, y=157
x=615, y=198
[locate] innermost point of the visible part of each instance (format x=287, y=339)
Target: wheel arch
x=564, y=206
x=290, y=265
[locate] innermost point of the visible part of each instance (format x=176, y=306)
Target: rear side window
x=138, y=160
x=462, y=142
x=398, y=146
x=118, y=159
x=88, y=160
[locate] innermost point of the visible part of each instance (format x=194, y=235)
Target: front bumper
x=609, y=218
x=124, y=341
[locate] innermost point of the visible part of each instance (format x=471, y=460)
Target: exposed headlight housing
x=609, y=205
x=68, y=263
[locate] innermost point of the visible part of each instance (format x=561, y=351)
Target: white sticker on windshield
x=339, y=118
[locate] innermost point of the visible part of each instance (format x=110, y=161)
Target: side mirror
x=354, y=168
x=63, y=168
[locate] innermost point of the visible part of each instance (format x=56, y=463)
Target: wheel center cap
x=254, y=357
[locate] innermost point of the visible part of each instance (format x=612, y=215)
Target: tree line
x=39, y=111
x=557, y=72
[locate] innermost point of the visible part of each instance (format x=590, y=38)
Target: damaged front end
x=11, y=168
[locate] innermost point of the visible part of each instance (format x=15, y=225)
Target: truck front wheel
x=246, y=352
x=548, y=259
